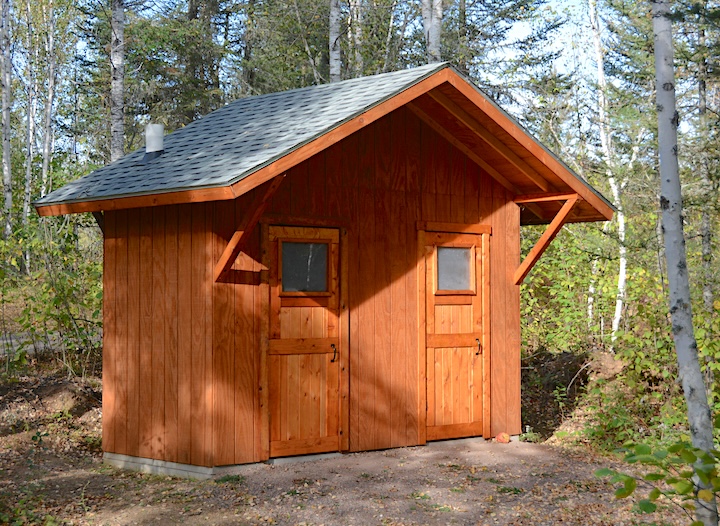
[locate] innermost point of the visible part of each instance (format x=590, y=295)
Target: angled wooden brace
x=549, y=234
x=243, y=231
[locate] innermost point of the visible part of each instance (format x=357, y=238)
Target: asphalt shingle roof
x=236, y=140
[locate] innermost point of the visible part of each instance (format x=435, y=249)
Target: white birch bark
x=117, y=80
x=31, y=113
x=610, y=161
x=6, y=77
x=334, y=44
x=47, y=146
x=432, y=26
x=699, y=417
x=356, y=37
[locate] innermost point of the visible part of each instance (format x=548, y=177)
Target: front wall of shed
x=182, y=354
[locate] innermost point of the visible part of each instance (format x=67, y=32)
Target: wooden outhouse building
x=328, y=269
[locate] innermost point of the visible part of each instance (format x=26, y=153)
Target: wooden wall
x=182, y=354
x=180, y=361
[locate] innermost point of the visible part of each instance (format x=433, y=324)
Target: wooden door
x=304, y=350
x=457, y=339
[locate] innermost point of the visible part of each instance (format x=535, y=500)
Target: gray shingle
x=236, y=140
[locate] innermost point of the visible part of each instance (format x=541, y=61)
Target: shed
x=326, y=269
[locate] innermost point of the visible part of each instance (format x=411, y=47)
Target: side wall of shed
x=181, y=363
x=180, y=360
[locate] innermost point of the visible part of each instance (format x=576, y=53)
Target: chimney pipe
x=153, y=142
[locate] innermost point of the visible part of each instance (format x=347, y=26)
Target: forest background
x=579, y=75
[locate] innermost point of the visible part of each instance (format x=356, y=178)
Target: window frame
x=472, y=291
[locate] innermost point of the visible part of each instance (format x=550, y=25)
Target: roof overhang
x=453, y=107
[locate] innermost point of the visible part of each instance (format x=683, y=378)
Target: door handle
x=332, y=346
x=479, y=348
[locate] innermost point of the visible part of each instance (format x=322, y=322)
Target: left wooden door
x=304, y=350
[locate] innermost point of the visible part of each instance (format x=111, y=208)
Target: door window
x=304, y=267
x=455, y=270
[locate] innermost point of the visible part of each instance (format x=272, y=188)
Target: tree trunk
x=6, y=76
x=248, y=72
x=388, y=37
x=49, y=15
x=432, y=26
x=32, y=90
x=356, y=37
x=699, y=417
x=609, y=155
x=463, y=60
x=706, y=221
x=311, y=59
x=335, y=59
x=117, y=81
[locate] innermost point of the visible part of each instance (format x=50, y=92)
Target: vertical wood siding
x=180, y=352
x=183, y=363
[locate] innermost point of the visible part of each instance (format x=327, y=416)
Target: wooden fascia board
x=487, y=136
x=529, y=143
x=341, y=132
x=140, y=201
x=544, y=241
x=243, y=231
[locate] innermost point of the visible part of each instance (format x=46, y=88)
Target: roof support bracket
x=243, y=231
x=544, y=241
x=100, y=220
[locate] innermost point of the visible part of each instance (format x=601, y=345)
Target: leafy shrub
x=51, y=284
x=673, y=473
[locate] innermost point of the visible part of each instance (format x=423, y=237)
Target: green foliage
x=554, y=294
x=24, y=513
x=52, y=280
x=230, y=479
x=681, y=473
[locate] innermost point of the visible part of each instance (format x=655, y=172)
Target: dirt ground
x=51, y=473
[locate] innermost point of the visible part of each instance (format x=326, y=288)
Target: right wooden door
x=457, y=339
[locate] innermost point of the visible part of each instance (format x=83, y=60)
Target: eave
x=450, y=105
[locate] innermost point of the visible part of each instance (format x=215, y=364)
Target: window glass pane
x=453, y=268
x=304, y=267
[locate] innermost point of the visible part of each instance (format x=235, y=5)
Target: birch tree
x=355, y=37
x=32, y=61
x=691, y=378
x=334, y=44
x=432, y=26
x=117, y=80
x=48, y=12
x=609, y=157
x=6, y=81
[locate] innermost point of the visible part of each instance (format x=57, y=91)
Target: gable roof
x=249, y=141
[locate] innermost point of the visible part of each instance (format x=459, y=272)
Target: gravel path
x=464, y=482
x=51, y=473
